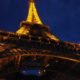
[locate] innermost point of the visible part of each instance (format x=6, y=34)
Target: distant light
x=44, y=70
x=47, y=65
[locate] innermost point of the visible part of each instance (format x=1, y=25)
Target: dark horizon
x=63, y=16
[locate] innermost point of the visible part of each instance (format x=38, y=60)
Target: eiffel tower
x=33, y=52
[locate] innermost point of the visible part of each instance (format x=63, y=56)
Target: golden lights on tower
x=32, y=18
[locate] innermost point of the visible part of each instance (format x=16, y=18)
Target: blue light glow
x=30, y=72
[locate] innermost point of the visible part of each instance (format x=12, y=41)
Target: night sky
x=63, y=16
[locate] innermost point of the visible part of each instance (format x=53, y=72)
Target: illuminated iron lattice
x=34, y=47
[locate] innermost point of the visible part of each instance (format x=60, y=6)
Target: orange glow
x=22, y=30
x=52, y=37
x=32, y=18
x=33, y=15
